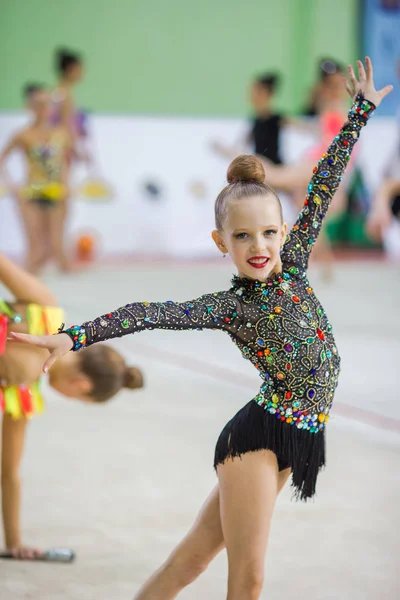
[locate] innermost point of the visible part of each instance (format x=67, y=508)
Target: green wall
x=174, y=56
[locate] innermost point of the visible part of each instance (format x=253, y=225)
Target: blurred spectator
x=69, y=67
x=264, y=135
x=383, y=223
x=328, y=92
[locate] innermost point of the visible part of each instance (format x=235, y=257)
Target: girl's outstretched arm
x=330, y=170
x=220, y=310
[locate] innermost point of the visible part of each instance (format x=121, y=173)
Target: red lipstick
x=258, y=262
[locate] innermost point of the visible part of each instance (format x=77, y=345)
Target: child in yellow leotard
x=42, y=197
x=97, y=378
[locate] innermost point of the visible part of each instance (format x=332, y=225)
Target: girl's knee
x=247, y=582
x=186, y=568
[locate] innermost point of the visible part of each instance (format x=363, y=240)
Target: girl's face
x=333, y=88
x=39, y=104
x=67, y=379
x=253, y=234
x=260, y=97
x=74, y=73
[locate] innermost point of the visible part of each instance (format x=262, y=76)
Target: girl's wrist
x=77, y=336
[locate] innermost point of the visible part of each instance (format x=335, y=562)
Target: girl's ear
x=283, y=234
x=219, y=242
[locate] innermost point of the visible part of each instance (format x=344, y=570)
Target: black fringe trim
x=253, y=428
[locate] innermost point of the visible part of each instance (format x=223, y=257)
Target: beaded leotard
x=278, y=324
x=45, y=166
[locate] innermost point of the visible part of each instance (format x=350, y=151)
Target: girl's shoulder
x=24, y=137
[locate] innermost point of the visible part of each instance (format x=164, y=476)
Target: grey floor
x=121, y=483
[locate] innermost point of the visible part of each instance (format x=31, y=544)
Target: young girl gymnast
x=42, y=197
x=92, y=377
x=273, y=316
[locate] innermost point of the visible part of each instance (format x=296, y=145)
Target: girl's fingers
x=385, y=91
x=26, y=338
x=370, y=71
x=348, y=87
x=353, y=78
x=50, y=362
x=361, y=71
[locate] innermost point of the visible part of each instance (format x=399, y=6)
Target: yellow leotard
x=19, y=400
x=45, y=167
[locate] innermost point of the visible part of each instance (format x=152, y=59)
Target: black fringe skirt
x=253, y=428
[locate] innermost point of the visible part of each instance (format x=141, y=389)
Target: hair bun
x=244, y=169
x=133, y=378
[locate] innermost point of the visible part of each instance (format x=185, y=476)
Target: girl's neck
x=42, y=124
x=64, y=83
x=264, y=112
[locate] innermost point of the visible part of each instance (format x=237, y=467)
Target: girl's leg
x=57, y=218
x=192, y=556
x=13, y=437
x=248, y=491
x=34, y=219
x=12, y=446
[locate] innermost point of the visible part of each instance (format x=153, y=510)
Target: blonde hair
x=245, y=178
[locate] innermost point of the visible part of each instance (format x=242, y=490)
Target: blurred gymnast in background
x=69, y=67
x=70, y=70
x=266, y=125
x=41, y=198
x=328, y=104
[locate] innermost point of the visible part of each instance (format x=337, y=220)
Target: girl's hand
x=365, y=83
x=25, y=553
x=57, y=345
x=378, y=221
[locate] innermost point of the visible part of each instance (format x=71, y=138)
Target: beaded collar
x=253, y=288
x=252, y=283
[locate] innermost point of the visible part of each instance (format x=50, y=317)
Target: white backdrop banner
x=166, y=178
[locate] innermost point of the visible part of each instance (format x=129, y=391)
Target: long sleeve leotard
x=277, y=324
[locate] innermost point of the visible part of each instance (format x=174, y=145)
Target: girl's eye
x=241, y=236
x=270, y=232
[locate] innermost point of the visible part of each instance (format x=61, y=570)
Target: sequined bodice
x=45, y=160
x=287, y=336
x=279, y=325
